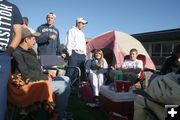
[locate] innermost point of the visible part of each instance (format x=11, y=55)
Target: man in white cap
x=76, y=46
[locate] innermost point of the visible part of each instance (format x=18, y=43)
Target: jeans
x=61, y=88
x=76, y=60
x=5, y=67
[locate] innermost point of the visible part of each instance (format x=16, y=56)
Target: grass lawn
x=82, y=112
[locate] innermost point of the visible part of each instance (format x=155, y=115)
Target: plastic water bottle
x=120, y=74
x=116, y=75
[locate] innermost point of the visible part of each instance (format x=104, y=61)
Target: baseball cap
x=26, y=32
x=53, y=14
x=25, y=20
x=80, y=19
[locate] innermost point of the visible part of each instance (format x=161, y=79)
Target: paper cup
x=119, y=86
x=127, y=85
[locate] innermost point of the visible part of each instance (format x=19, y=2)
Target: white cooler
x=120, y=102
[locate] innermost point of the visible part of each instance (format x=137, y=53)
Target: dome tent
x=120, y=44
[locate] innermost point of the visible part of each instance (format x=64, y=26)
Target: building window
x=156, y=49
x=175, y=43
x=146, y=46
x=167, y=49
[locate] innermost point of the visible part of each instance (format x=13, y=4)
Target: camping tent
x=120, y=43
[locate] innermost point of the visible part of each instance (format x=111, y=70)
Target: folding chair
x=143, y=74
x=55, y=63
x=23, y=104
x=50, y=62
x=74, y=73
x=141, y=78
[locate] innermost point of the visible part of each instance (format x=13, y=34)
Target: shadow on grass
x=82, y=112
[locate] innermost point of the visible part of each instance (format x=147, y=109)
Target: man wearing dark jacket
x=48, y=42
x=26, y=63
x=172, y=64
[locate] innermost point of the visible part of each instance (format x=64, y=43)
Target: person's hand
x=51, y=75
x=97, y=66
x=63, y=55
x=9, y=50
x=112, y=68
x=124, y=68
x=52, y=37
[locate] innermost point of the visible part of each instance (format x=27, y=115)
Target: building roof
x=164, y=35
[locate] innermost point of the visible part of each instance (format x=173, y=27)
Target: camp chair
x=56, y=64
x=87, y=65
x=146, y=73
x=28, y=101
x=50, y=62
x=141, y=78
x=74, y=73
x=142, y=73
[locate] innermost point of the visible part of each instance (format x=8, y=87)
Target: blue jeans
x=5, y=67
x=61, y=88
x=76, y=60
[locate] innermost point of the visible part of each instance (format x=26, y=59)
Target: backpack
x=86, y=92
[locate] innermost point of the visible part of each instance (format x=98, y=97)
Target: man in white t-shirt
x=132, y=66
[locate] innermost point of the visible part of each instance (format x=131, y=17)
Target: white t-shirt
x=132, y=64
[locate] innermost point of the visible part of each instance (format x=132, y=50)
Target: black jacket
x=171, y=65
x=26, y=63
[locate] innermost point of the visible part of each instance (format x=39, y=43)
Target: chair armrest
x=72, y=67
x=151, y=70
x=47, y=68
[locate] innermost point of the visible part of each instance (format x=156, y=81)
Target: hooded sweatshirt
x=47, y=46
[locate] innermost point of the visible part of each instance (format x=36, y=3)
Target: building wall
x=160, y=50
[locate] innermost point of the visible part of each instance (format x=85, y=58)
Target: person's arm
x=105, y=65
x=88, y=65
x=16, y=23
x=16, y=38
x=103, y=69
x=124, y=66
x=166, y=67
x=43, y=38
x=139, y=66
x=21, y=65
x=69, y=39
x=59, y=51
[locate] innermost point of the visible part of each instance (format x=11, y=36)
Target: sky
x=129, y=16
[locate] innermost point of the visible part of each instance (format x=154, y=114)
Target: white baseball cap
x=80, y=19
